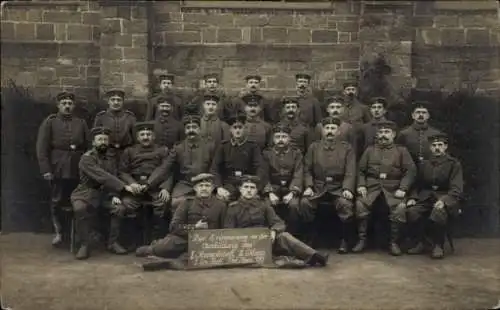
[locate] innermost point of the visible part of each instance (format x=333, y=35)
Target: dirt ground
x=35, y=276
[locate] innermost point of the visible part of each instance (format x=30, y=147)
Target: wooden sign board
x=209, y=248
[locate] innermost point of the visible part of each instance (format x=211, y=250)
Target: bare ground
x=35, y=276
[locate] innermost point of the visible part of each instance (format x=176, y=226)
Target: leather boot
x=144, y=251
x=417, y=231
x=362, y=228
x=158, y=230
x=394, y=246
x=438, y=232
x=57, y=239
x=83, y=231
x=114, y=233
x=318, y=259
x=344, y=247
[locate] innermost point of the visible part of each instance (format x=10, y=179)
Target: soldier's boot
x=438, y=236
x=417, y=229
x=344, y=246
x=83, y=231
x=57, y=239
x=318, y=258
x=144, y=251
x=394, y=248
x=158, y=229
x=361, y=244
x=114, y=233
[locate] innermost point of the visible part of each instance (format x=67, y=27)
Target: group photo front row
x=220, y=165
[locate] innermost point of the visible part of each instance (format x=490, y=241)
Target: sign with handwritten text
x=208, y=248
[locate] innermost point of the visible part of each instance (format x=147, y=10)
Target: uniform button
x=72, y=146
x=117, y=146
x=420, y=158
x=435, y=187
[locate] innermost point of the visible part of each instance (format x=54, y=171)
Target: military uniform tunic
x=196, y=104
x=356, y=113
x=369, y=132
x=310, y=112
x=259, y=132
x=268, y=112
x=177, y=106
x=301, y=136
x=283, y=170
x=214, y=129
x=168, y=131
x=415, y=139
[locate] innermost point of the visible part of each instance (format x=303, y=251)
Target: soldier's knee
x=80, y=209
x=176, y=202
x=439, y=216
x=294, y=204
x=414, y=213
x=305, y=203
x=398, y=213
x=362, y=210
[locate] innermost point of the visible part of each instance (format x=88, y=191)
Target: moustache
x=302, y=86
x=191, y=133
x=350, y=94
x=383, y=139
x=329, y=134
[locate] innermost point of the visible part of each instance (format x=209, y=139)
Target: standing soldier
x=283, y=176
x=62, y=139
x=168, y=130
x=300, y=134
x=356, y=113
x=140, y=169
x=378, y=110
x=252, y=88
x=310, y=107
x=436, y=196
x=257, y=130
x=97, y=182
x=234, y=158
x=330, y=175
x=212, y=127
x=415, y=137
x=187, y=159
x=211, y=87
x=121, y=123
x=386, y=172
x=166, y=85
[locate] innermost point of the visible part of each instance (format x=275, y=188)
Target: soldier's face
x=302, y=83
x=350, y=91
x=237, y=130
x=377, y=110
x=248, y=190
x=211, y=83
x=253, y=85
x=386, y=135
x=166, y=85
x=209, y=107
x=420, y=115
x=203, y=189
x=115, y=103
x=145, y=137
x=281, y=139
x=438, y=148
x=192, y=130
x=329, y=131
x=66, y=106
x=101, y=143
x=252, y=109
x=165, y=108
x=335, y=109
x=291, y=110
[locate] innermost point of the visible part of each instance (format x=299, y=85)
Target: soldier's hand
x=222, y=193
x=347, y=195
x=308, y=192
x=129, y=189
x=48, y=176
x=439, y=204
x=274, y=198
x=362, y=191
x=400, y=193
x=411, y=202
x=273, y=235
x=164, y=195
x=136, y=188
x=115, y=201
x=201, y=224
x=288, y=197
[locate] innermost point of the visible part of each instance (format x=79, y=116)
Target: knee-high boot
x=362, y=229
x=345, y=232
x=83, y=231
x=438, y=237
x=114, y=233
x=394, y=243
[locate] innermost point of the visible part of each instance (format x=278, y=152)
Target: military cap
x=439, y=137
x=212, y=97
x=191, y=119
x=163, y=75
x=238, y=118
x=331, y=121
x=380, y=100
x=350, y=83
x=302, y=76
x=387, y=124
x=100, y=131
x=253, y=77
x=115, y=92
x=252, y=99
x=250, y=178
x=139, y=126
x=281, y=127
x=420, y=105
x=211, y=76
x=65, y=95
x=164, y=99
x=335, y=98
x=290, y=99
x=202, y=177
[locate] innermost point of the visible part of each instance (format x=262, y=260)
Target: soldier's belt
x=71, y=147
x=436, y=188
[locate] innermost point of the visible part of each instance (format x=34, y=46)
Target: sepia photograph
x=280, y=154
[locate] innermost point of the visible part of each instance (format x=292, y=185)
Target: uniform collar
x=375, y=122
x=236, y=143
x=385, y=147
x=212, y=117
x=419, y=127
x=115, y=113
x=194, y=142
x=65, y=117
x=257, y=119
x=164, y=119
x=282, y=150
x=440, y=159
x=142, y=147
x=306, y=93
x=327, y=145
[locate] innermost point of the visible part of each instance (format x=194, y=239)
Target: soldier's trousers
x=290, y=245
x=292, y=213
x=61, y=190
x=132, y=204
x=172, y=246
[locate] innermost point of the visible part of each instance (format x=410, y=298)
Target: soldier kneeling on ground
x=249, y=211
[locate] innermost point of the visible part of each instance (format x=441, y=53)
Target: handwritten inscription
x=222, y=247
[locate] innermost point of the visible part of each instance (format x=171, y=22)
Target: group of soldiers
x=233, y=162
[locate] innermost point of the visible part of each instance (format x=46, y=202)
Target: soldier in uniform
x=203, y=211
x=378, y=110
x=300, y=133
x=283, y=176
x=140, y=169
x=166, y=85
x=257, y=130
x=415, y=137
x=168, y=130
x=121, y=123
x=385, y=175
x=187, y=159
x=234, y=158
x=310, y=108
x=211, y=87
x=356, y=113
x=212, y=127
x=330, y=175
x=435, y=196
x=250, y=211
x=252, y=87
x=62, y=139
x=97, y=183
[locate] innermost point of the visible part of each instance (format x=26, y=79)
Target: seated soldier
x=203, y=211
x=435, y=196
x=97, y=180
x=140, y=168
x=249, y=211
x=386, y=172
